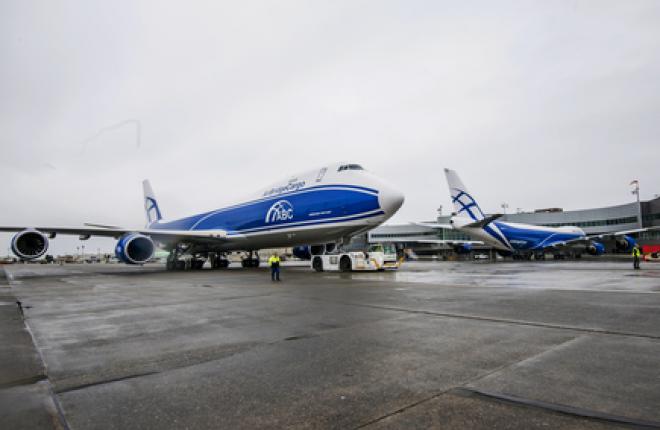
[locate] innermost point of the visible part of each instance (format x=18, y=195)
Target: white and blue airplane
x=326, y=205
x=522, y=239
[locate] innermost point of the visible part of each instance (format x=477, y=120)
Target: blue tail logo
x=467, y=204
x=153, y=212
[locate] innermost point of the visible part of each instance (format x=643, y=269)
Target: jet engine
x=134, y=248
x=596, y=248
x=625, y=243
x=29, y=244
x=463, y=248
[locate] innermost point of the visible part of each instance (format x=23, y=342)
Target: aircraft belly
x=300, y=236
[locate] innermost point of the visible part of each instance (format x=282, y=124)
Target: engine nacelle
x=596, y=248
x=134, y=248
x=303, y=252
x=625, y=243
x=463, y=248
x=29, y=244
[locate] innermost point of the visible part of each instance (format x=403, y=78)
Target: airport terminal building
x=610, y=219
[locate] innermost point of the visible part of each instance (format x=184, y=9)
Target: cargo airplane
x=326, y=205
x=522, y=240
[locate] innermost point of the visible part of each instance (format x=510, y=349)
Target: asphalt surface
x=436, y=345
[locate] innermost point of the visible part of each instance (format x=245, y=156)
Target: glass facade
x=596, y=223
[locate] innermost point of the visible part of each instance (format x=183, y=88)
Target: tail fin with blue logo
x=150, y=204
x=464, y=204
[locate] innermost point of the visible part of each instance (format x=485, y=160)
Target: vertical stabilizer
x=150, y=204
x=464, y=204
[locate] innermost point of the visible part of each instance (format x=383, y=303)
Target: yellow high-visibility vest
x=273, y=259
x=636, y=252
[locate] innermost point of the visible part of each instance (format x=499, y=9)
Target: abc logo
x=280, y=211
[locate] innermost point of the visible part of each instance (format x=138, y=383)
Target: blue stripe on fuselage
x=321, y=204
x=488, y=229
x=531, y=238
x=310, y=224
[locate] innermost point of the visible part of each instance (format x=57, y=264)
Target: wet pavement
x=435, y=345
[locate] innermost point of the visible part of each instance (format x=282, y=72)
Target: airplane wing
x=116, y=232
x=621, y=233
x=433, y=225
x=447, y=241
x=599, y=237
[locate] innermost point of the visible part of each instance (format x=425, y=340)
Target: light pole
x=635, y=191
x=504, y=206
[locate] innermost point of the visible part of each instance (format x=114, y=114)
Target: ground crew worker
x=274, y=263
x=636, y=255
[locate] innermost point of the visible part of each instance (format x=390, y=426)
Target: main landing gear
x=218, y=261
x=181, y=258
x=184, y=257
x=252, y=260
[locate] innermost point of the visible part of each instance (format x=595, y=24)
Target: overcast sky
x=534, y=103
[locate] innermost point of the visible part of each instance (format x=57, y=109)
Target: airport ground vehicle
x=652, y=257
x=377, y=257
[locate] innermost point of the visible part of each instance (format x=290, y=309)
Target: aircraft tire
x=345, y=264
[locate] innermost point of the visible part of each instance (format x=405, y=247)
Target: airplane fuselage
x=508, y=236
x=315, y=207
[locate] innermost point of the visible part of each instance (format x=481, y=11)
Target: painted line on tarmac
x=491, y=319
x=106, y=381
x=554, y=407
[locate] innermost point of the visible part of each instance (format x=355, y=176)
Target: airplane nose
x=391, y=199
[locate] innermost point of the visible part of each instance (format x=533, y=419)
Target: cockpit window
x=350, y=167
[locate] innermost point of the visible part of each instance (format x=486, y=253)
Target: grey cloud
x=534, y=103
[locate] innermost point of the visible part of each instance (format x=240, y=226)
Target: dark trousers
x=636, y=262
x=275, y=273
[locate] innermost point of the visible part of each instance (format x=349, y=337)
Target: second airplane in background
x=522, y=239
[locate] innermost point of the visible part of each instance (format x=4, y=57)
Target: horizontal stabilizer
x=484, y=222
